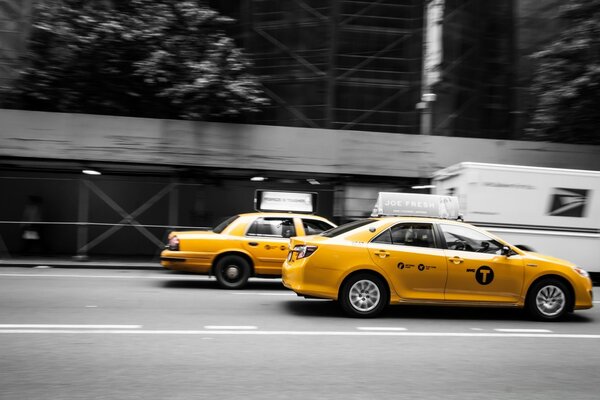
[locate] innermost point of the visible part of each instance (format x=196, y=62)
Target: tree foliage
x=567, y=79
x=148, y=58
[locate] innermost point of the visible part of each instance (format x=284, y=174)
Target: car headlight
x=581, y=272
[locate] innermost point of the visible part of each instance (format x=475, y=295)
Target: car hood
x=545, y=258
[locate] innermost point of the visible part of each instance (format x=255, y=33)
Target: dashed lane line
x=524, y=330
x=67, y=326
x=290, y=293
x=230, y=327
x=162, y=277
x=380, y=328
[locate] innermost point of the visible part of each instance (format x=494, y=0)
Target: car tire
x=364, y=295
x=549, y=300
x=232, y=272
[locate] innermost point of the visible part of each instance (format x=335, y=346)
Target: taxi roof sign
x=274, y=200
x=415, y=204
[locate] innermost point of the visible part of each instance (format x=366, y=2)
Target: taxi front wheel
x=232, y=272
x=364, y=295
x=549, y=300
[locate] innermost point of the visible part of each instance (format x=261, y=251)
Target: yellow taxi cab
x=422, y=259
x=244, y=245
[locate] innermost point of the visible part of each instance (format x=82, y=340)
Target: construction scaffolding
x=337, y=64
x=346, y=64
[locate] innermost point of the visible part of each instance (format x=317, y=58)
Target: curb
x=98, y=264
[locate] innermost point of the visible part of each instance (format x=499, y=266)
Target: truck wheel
x=364, y=295
x=232, y=272
x=549, y=300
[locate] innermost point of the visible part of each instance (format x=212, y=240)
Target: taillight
x=304, y=251
x=173, y=243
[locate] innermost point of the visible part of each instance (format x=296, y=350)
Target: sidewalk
x=75, y=262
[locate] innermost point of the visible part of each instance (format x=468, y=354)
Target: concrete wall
x=201, y=144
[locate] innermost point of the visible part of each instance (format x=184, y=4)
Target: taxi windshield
x=347, y=227
x=221, y=227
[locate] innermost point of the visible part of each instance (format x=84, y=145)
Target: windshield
x=219, y=228
x=347, y=227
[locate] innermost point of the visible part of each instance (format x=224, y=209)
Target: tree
x=567, y=79
x=147, y=58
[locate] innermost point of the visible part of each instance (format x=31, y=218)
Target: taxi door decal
x=484, y=275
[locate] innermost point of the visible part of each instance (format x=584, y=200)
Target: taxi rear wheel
x=549, y=300
x=364, y=295
x=232, y=272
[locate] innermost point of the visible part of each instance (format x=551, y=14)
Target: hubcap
x=232, y=272
x=550, y=300
x=364, y=295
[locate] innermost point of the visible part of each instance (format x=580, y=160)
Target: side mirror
x=505, y=251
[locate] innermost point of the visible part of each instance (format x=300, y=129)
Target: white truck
x=549, y=210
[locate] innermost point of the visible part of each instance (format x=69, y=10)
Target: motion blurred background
x=122, y=120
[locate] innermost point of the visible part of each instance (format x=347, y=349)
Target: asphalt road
x=123, y=334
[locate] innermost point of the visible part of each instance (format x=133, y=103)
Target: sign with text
x=415, y=204
x=302, y=202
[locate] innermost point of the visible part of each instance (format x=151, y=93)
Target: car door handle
x=456, y=260
x=382, y=254
x=252, y=244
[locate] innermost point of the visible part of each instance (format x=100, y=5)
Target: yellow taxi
x=245, y=245
x=418, y=259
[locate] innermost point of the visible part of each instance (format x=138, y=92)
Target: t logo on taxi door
x=484, y=275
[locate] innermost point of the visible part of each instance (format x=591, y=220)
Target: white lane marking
x=596, y=302
x=476, y=329
x=66, y=326
x=524, y=330
x=304, y=333
x=265, y=294
x=164, y=277
x=379, y=328
x=230, y=327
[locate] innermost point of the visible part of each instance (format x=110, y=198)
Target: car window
x=408, y=234
x=347, y=227
x=315, y=226
x=272, y=227
x=463, y=238
x=221, y=227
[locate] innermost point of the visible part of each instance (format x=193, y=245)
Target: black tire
x=549, y=300
x=232, y=272
x=364, y=295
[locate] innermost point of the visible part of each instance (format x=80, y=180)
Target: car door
x=477, y=271
x=409, y=254
x=267, y=241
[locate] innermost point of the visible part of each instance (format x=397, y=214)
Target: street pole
x=433, y=18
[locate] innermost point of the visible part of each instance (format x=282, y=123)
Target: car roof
x=415, y=219
x=281, y=215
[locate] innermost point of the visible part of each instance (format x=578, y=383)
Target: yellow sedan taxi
x=245, y=245
x=368, y=264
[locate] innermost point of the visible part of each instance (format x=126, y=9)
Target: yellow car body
x=413, y=260
x=252, y=244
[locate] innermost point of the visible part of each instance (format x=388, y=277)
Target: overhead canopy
x=414, y=204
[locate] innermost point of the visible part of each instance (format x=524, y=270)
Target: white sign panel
x=285, y=201
x=414, y=204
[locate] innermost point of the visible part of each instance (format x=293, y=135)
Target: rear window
x=315, y=226
x=347, y=227
x=221, y=227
